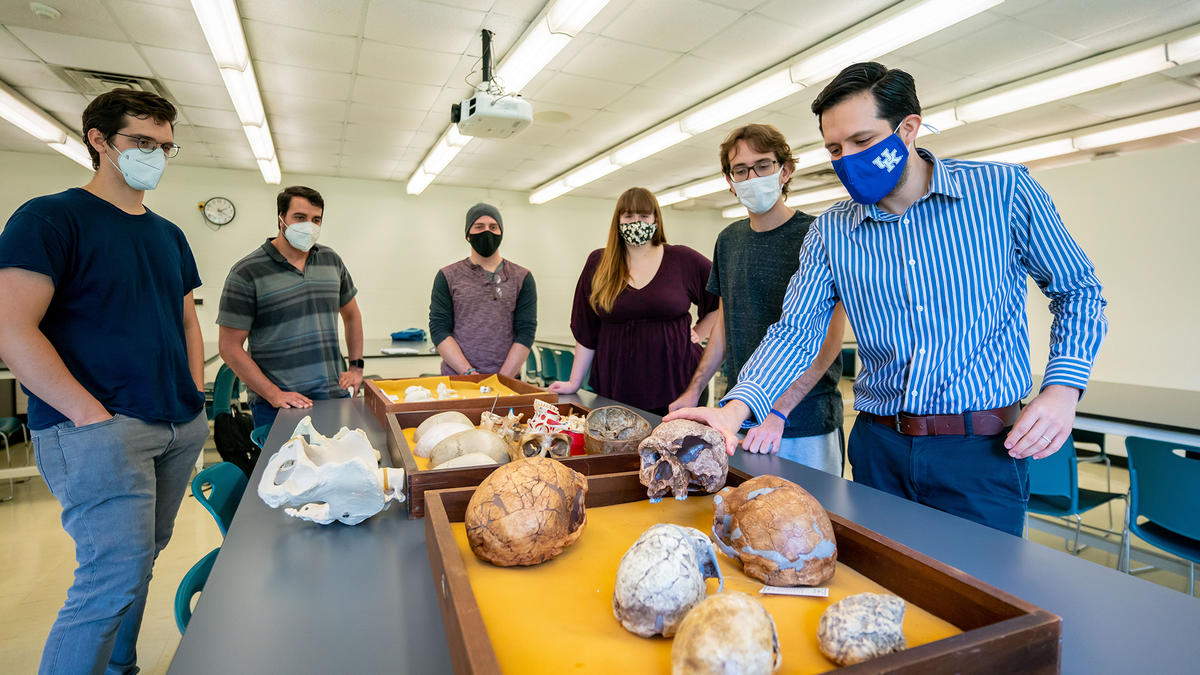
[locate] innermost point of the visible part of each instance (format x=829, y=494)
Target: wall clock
x=218, y=210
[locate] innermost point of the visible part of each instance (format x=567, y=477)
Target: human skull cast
x=661, y=577
x=682, y=453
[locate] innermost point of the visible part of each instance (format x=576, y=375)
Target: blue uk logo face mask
x=870, y=175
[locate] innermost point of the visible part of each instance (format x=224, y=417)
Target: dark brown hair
x=894, y=90
x=761, y=138
x=284, y=200
x=612, y=274
x=107, y=113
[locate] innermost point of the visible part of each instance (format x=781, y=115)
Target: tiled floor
x=37, y=561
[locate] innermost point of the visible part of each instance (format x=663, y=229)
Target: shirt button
x=904, y=222
x=921, y=352
x=912, y=262
x=920, y=308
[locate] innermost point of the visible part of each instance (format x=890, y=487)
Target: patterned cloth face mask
x=638, y=232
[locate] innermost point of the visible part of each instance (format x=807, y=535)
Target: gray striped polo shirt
x=292, y=316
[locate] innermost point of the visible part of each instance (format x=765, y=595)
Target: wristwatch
x=357, y=363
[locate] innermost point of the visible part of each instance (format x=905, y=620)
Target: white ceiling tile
x=399, y=118
x=316, y=145
x=210, y=117
x=675, y=25
x=82, y=52
x=217, y=138
x=608, y=59
x=341, y=17
x=1006, y=41
x=521, y=9
x=372, y=149
x=757, y=41
x=66, y=104
x=434, y=124
x=423, y=25
x=186, y=133
x=363, y=167
x=394, y=94
x=698, y=78
x=387, y=136
x=199, y=95
x=506, y=31
x=421, y=66
x=160, y=26
x=172, y=64
x=245, y=163
x=232, y=151
x=581, y=91
x=311, y=160
x=302, y=81
x=278, y=103
x=18, y=73
x=11, y=47
x=15, y=140
x=302, y=126
x=207, y=161
x=80, y=17
x=295, y=47
x=1078, y=19
x=1138, y=96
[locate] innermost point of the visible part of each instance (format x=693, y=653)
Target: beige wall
x=1133, y=215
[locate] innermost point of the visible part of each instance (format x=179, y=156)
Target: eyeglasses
x=763, y=167
x=494, y=281
x=148, y=145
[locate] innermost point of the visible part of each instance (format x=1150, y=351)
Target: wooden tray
x=379, y=404
x=418, y=482
x=1001, y=633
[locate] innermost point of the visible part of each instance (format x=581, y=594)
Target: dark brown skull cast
x=541, y=444
x=680, y=453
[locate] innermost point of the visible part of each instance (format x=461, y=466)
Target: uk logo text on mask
x=887, y=160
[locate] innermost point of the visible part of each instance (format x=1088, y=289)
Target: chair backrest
x=531, y=369
x=193, y=582
x=223, y=389
x=563, y=360
x=226, y=484
x=549, y=370
x=1085, y=436
x=1056, y=475
x=1162, y=485
x=259, y=435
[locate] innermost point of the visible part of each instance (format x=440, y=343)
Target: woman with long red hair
x=632, y=318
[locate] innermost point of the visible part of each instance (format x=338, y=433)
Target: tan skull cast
x=329, y=479
x=470, y=447
x=661, y=577
x=541, y=444
x=779, y=532
x=726, y=633
x=680, y=453
x=526, y=512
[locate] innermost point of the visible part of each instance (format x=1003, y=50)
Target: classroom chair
x=563, y=361
x=226, y=483
x=1162, y=490
x=531, y=368
x=191, y=585
x=259, y=435
x=549, y=371
x=8, y=427
x=1054, y=491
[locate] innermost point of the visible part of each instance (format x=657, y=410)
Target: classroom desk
x=1171, y=415
x=290, y=596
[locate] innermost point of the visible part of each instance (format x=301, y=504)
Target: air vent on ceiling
x=95, y=82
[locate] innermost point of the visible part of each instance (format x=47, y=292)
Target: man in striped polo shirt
x=930, y=261
x=286, y=297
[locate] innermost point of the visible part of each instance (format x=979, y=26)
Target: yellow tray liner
x=464, y=388
x=557, y=617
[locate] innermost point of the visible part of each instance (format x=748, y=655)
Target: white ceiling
x=363, y=88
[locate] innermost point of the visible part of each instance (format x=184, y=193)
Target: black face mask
x=485, y=243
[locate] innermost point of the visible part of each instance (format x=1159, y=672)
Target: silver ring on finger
x=1047, y=439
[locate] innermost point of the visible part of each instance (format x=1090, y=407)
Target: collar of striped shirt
x=937, y=297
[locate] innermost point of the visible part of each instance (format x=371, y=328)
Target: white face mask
x=302, y=235
x=142, y=170
x=760, y=193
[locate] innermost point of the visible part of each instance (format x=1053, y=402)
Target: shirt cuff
x=755, y=397
x=1068, y=371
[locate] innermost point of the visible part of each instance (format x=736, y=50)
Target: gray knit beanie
x=481, y=209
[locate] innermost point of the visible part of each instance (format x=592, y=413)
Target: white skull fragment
x=439, y=431
x=329, y=479
x=661, y=577
x=682, y=453
x=861, y=627
x=469, y=442
x=541, y=444
x=440, y=418
x=726, y=633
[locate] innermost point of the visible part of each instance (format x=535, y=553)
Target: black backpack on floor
x=231, y=434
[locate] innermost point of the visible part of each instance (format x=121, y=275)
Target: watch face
x=219, y=211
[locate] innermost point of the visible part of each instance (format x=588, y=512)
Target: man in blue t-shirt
x=100, y=329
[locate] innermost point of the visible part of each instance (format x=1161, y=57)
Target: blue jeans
x=968, y=476
x=822, y=452
x=120, y=483
x=264, y=413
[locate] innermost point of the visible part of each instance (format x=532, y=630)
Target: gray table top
x=372, y=347
x=289, y=596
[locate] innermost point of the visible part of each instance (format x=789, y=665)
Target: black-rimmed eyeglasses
x=763, y=167
x=147, y=145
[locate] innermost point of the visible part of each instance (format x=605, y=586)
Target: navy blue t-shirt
x=116, y=317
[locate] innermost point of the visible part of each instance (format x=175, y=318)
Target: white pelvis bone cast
x=329, y=479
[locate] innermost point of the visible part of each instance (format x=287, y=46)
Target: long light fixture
x=222, y=28
x=818, y=196
x=34, y=121
x=1145, y=58
x=887, y=31
x=539, y=44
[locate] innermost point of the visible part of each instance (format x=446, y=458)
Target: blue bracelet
x=779, y=415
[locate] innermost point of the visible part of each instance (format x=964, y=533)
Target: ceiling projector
x=491, y=116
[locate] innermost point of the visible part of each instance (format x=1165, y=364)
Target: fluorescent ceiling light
x=270, y=170
x=941, y=120
x=1028, y=153
x=528, y=58
x=439, y=157
x=28, y=117
x=419, y=181
x=74, y=150
x=707, y=187
x=260, y=141
x=590, y=172
x=570, y=16
x=817, y=196
x=1138, y=130
x=243, y=90
x=1184, y=49
x=735, y=212
x=744, y=101
x=649, y=145
x=551, y=191
x=668, y=198
x=222, y=28
x=884, y=33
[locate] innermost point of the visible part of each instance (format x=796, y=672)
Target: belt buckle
x=896, y=423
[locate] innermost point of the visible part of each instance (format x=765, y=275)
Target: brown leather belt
x=977, y=422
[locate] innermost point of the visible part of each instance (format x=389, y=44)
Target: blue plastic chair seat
x=1159, y=536
x=9, y=425
x=193, y=582
x=1052, y=505
x=259, y=435
x=227, y=485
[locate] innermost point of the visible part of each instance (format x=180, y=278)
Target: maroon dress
x=645, y=356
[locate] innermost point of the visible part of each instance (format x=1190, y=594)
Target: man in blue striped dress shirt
x=930, y=260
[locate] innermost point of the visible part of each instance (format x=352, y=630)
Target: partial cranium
x=541, y=444
x=435, y=433
x=526, y=512
x=861, y=627
x=661, y=577
x=614, y=429
x=779, y=531
x=467, y=443
x=330, y=479
x=680, y=453
x=726, y=633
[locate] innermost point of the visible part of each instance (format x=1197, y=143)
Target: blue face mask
x=142, y=170
x=871, y=174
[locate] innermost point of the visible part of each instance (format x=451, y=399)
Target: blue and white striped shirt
x=936, y=297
